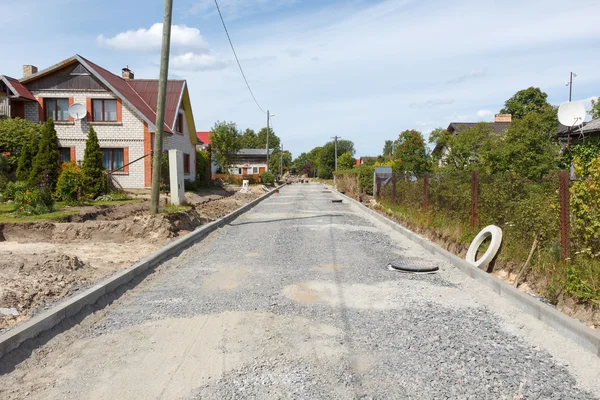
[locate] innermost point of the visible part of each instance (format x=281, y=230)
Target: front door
x=261, y=170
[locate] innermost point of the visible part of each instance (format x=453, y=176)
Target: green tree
x=44, y=171
x=28, y=153
x=345, y=161
x=326, y=157
x=93, y=173
x=261, y=139
x=388, y=148
x=203, y=166
x=440, y=137
x=473, y=148
x=277, y=158
x=14, y=134
x=525, y=101
x=225, y=143
x=410, y=153
x=595, y=111
x=249, y=140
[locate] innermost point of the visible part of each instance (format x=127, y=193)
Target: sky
x=364, y=70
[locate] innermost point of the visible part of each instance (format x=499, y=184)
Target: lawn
x=61, y=211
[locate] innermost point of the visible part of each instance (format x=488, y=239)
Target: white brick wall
x=126, y=134
x=183, y=144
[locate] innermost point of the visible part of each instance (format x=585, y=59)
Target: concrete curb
x=71, y=306
x=565, y=325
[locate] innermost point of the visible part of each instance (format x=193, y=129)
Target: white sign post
x=176, y=177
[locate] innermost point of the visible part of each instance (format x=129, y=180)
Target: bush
x=12, y=188
x=114, y=196
x=44, y=170
x=70, y=187
x=92, y=171
x=28, y=153
x=267, y=178
x=33, y=201
x=203, y=167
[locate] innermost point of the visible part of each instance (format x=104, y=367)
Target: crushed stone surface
x=292, y=300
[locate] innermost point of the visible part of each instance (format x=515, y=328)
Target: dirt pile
x=219, y=208
x=30, y=280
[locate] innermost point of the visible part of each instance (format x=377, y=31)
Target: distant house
x=203, y=140
x=121, y=109
x=588, y=130
x=500, y=124
x=249, y=162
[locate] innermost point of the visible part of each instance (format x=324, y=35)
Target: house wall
x=234, y=170
x=183, y=143
x=127, y=134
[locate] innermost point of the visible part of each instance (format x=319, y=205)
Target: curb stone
x=69, y=307
x=569, y=327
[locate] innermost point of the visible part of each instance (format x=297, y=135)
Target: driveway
x=293, y=300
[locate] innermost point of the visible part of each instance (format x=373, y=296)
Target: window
x=186, y=163
x=112, y=159
x=57, y=109
x=255, y=170
x=65, y=154
x=179, y=123
x=104, y=110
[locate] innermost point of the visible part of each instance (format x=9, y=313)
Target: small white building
x=121, y=109
x=249, y=162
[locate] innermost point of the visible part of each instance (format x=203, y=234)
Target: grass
x=172, y=209
x=61, y=211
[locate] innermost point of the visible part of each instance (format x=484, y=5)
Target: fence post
x=474, y=198
x=394, y=188
x=565, y=216
x=426, y=192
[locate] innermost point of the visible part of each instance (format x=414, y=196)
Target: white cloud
x=151, y=39
x=476, y=73
x=234, y=9
x=431, y=103
x=197, y=62
x=484, y=114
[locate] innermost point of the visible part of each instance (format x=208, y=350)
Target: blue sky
x=363, y=70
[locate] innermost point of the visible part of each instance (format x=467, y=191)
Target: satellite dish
x=571, y=113
x=77, y=111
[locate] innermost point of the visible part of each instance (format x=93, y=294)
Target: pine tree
x=28, y=153
x=44, y=171
x=94, y=177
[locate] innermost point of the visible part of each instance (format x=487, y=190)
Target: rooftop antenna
x=77, y=111
x=570, y=84
x=571, y=114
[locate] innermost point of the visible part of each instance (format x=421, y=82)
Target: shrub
x=14, y=134
x=113, y=196
x=267, y=178
x=34, y=201
x=203, y=167
x=44, y=170
x=28, y=153
x=70, y=187
x=92, y=171
x=12, y=188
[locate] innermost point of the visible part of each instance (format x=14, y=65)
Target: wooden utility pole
x=268, y=117
x=160, y=107
x=281, y=162
x=336, y=139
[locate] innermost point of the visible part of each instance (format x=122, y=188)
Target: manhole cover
x=336, y=201
x=412, y=265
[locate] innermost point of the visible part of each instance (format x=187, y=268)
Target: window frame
x=55, y=113
x=103, y=111
x=60, y=154
x=112, y=158
x=187, y=166
x=179, y=123
x=254, y=170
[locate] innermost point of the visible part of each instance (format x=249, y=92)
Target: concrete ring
x=496, y=234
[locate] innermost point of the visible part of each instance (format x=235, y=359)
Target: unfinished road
x=293, y=300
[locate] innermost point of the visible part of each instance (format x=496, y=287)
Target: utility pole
x=160, y=107
x=336, y=139
x=570, y=84
x=281, y=162
x=268, y=115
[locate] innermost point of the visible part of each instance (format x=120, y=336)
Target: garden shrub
x=44, y=170
x=93, y=174
x=267, y=178
x=585, y=204
x=33, y=201
x=203, y=167
x=70, y=187
x=12, y=188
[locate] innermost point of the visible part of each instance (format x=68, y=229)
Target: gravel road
x=293, y=300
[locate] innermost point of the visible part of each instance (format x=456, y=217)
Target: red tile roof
x=18, y=88
x=204, y=137
x=148, y=91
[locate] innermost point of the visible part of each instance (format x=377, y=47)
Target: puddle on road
x=225, y=279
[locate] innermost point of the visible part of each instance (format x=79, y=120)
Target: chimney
x=127, y=73
x=29, y=70
x=503, y=118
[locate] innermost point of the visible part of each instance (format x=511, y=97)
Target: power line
x=237, y=59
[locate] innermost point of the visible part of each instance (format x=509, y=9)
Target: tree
x=28, y=153
x=261, y=139
x=225, y=143
x=276, y=159
x=410, y=153
x=249, y=140
x=14, y=134
x=44, y=171
x=345, y=161
x=441, y=138
x=473, y=148
x=388, y=148
x=595, y=111
x=92, y=170
x=326, y=157
x=526, y=101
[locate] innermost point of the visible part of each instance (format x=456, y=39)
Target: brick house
x=121, y=109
